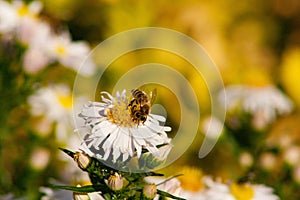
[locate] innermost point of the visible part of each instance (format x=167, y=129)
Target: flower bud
x=115, y=182
x=150, y=191
x=82, y=159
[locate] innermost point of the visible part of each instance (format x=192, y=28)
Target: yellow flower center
x=120, y=115
x=23, y=11
x=66, y=101
x=61, y=50
x=242, y=191
x=191, y=178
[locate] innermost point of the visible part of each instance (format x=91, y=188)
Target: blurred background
x=255, y=44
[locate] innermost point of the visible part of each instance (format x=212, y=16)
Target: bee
x=140, y=96
x=140, y=105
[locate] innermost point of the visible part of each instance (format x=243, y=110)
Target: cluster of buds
x=109, y=183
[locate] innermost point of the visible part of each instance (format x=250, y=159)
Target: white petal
x=158, y=117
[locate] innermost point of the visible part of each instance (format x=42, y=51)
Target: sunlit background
x=255, y=44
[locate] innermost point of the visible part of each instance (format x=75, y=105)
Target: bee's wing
x=153, y=95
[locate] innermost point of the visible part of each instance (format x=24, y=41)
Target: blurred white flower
x=262, y=192
x=291, y=155
x=12, y=15
x=70, y=54
x=95, y=196
x=55, y=103
x=40, y=158
x=35, y=60
x=217, y=190
x=263, y=103
x=8, y=17
x=268, y=161
x=21, y=20
x=113, y=130
x=88, y=196
x=36, y=34
x=50, y=194
x=246, y=159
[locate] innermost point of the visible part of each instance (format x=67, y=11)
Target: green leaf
x=165, y=194
x=70, y=153
x=83, y=189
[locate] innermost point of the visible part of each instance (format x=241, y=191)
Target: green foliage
x=99, y=175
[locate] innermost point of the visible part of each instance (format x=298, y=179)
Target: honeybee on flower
x=140, y=105
x=112, y=131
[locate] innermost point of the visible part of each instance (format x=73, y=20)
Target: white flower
x=30, y=10
x=21, y=20
x=12, y=15
x=262, y=192
x=292, y=155
x=246, y=159
x=50, y=194
x=40, y=158
x=70, y=54
x=8, y=17
x=95, y=196
x=55, y=103
x=217, y=190
x=263, y=103
x=34, y=33
x=268, y=161
x=34, y=60
x=113, y=130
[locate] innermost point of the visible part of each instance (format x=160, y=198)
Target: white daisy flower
x=12, y=15
x=263, y=103
x=262, y=192
x=88, y=196
x=50, y=194
x=34, y=60
x=113, y=131
x=55, y=103
x=216, y=190
x=8, y=17
x=70, y=54
x=35, y=33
